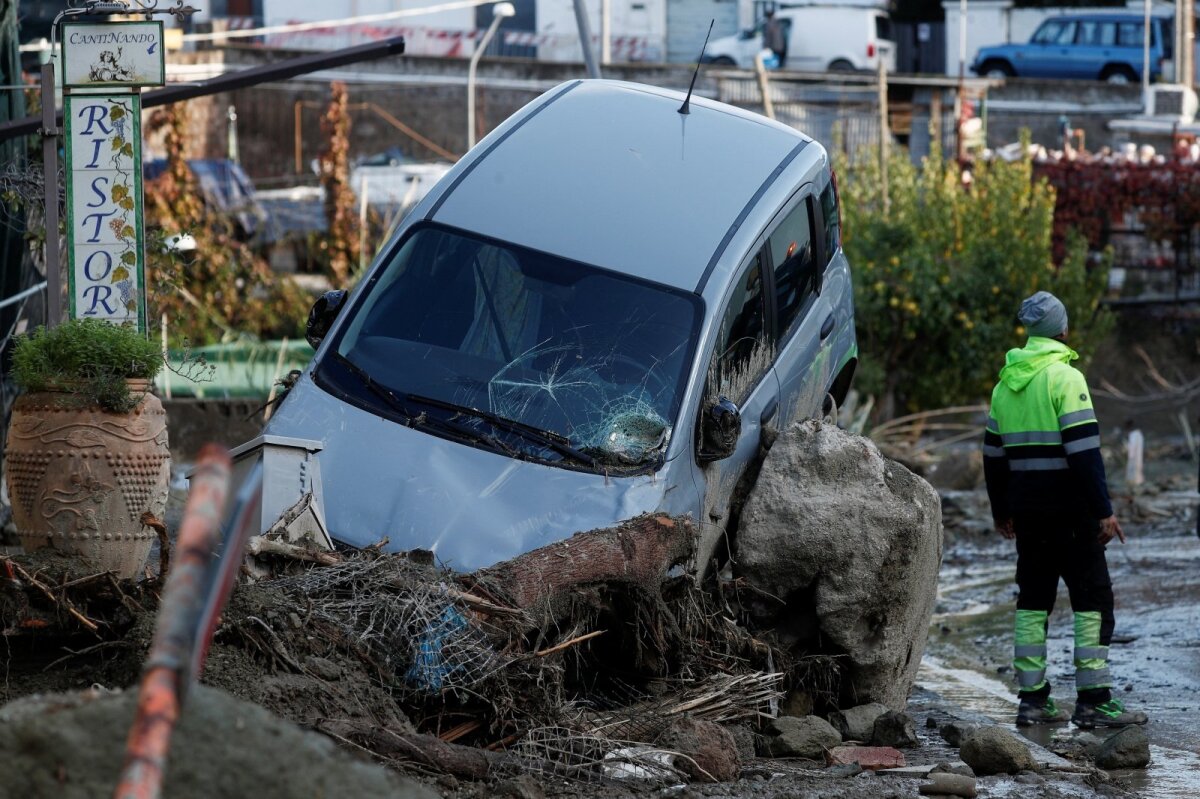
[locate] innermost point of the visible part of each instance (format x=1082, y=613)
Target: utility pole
x=585, y=39
x=605, y=32
x=959, y=97
x=1188, y=53
x=50, y=134
x=884, y=136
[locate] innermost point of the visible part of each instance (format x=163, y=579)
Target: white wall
x=992, y=22
x=641, y=25
x=426, y=33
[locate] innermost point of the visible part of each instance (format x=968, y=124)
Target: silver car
x=592, y=316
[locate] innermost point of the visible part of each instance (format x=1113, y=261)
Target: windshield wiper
x=383, y=392
x=397, y=404
x=547, y=438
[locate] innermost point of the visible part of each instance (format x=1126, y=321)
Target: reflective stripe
x=1091, y=653
x=1031, y=679
x=1075, y=417
x=1032, y=437
x=1091, y=442
x=1029, y=651
x=992, y=452
x=993, y=425
x=1092, y=678
x=1037, y=464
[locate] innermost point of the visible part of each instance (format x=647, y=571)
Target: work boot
x=1106, y=714
x=1032, y=712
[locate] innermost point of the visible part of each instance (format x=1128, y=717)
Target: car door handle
x=769, y=412
x=827, y=327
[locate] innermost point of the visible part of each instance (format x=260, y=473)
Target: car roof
x=1110, y=16
x=608, y=173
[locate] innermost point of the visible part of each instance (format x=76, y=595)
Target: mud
x=70, y=746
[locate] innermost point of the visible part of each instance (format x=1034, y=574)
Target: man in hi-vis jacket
x=1046, y=483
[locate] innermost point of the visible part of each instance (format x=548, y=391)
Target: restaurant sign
x=112, y=54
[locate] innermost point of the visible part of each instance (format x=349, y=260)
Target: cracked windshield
x=471, y=335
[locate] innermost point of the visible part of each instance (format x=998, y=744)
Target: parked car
x=592, y=316
x=1107, y=47
x=819, y=37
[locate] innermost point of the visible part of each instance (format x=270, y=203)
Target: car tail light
x=870, y=49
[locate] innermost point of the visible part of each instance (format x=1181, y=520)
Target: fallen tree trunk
x=426, y=752
x=639, y=552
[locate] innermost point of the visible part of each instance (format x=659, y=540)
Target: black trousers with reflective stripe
x=1050, y=547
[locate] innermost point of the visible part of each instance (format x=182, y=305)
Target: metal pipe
x=585, y=39
x=242, y=79
x=475, y=56
x=50, y=163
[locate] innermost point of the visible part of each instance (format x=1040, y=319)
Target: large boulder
x=712, y=753
x=857, y=723
x=854, y=540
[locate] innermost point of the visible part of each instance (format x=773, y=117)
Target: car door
x=739, y=370
x=1095, y=40
x=804, y=319
x=1047, y=51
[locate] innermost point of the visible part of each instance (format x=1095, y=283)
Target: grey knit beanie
x=1043, y=315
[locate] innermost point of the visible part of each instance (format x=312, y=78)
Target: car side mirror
x=720, y=428
x=324, y=311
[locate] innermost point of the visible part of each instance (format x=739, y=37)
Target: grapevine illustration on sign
x=104, y=205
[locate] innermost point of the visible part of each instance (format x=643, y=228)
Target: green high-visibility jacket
x=1041, y=448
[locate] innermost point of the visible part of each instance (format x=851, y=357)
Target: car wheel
x=1118, y=75
x=841, y=65
x=829, y=410
x=997, y=70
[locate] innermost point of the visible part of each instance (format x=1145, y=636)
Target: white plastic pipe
x=499, y=12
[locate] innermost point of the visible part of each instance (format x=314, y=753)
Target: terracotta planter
x=81, y=478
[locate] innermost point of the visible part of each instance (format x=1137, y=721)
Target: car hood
x=471, y=507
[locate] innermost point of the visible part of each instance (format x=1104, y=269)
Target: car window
x=742, y=353
x=1095, y=33
x=1048, y=33
x=1129, y=34
x=833, y=228
x=1066, y=35
x=883, y=28
x=793, y=257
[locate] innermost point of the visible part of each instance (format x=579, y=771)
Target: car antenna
x=686, y=108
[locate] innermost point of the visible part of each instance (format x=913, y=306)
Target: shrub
x=938, y=278
x=87, y=359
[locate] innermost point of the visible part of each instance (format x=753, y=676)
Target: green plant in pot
x=87, y=455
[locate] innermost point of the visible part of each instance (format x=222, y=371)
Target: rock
x=809, y=737
x=1128, y=748
x=524, y=786
x=956, y=731
x=991, y=750
x=323, y=668
x=860, y=537
x=797, y=703
x=895, y=729
x=960, y=768
x=1029, y=778
x=843, y=770
x=745, y=739
x=961, y=470
x=71, y=746
x=949, y=785
x=930, y=723
x=712, y=750
x=871, y=758
x=857, y=723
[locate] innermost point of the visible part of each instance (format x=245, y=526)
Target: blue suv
x=1106, y=47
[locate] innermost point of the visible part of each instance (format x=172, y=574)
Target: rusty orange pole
x=167, y=667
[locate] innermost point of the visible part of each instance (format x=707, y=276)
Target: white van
x=835, y=38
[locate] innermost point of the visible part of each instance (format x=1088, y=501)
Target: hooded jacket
x=1041, y=448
